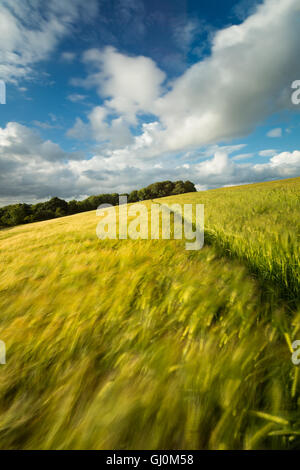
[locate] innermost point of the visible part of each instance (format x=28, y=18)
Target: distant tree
x=114, y=199
x=178, y=188
x=56, y=203
x=133, y=196
x=59, y=212
x=73, y=207
x=189, y=187
x=157, y=190
x=24, y=213
x=145, y=193
x=15, y=214
x=91, y=203
x=40, y=212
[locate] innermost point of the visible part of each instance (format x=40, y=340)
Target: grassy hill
x=142, y=344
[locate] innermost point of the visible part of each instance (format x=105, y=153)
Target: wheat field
x=140, y=344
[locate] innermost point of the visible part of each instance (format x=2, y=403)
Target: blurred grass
x=258, y=224
x=141, y=344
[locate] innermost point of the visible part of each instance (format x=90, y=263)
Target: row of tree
x=17, y=214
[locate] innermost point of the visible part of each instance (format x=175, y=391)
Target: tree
x=15, y=214
x=189, y=187
x=24, y=213
x=40, y=212
x=56, y=203
x=133, y=196
x=73, y=207
x=178, y=188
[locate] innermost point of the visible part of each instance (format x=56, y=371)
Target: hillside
x=142, y=344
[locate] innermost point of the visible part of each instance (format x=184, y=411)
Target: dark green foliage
x=189, y=187
x=165, y=188
x=73, y=207
x=14, y=214
x=133, y=196
x=56, y=204
x=17, y=214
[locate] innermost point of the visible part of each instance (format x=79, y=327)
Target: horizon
x=138, y=189
x=124, y=93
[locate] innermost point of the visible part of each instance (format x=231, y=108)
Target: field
x=138, y=344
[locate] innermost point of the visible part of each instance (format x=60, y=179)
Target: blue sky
x=112, y=95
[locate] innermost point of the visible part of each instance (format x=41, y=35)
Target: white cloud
x=76, y=97
x=130, y=84
x=68, y=56
x=80, y=130
x=286, y=160
x=246, y=79
x=33, y=169
x=242, y=156
x=116, y=132
x=30, y=31
x=273, y=133
x=45, y=125
x=213, y=172
x=18, y=141
x=185, y=31
x=267, y=153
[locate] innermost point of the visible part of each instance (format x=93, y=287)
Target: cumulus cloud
x=114, y=133
x=130, y=85
x=285, y=160
x=29, y=34
x=18, y=142
x=246, y=78
x=223, y=171
x=32, y=169
x=218, y=170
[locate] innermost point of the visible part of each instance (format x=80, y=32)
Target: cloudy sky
x=112, y=95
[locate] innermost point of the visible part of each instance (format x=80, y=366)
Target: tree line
x=16, y=214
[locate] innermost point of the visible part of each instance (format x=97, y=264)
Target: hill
x=134, y=344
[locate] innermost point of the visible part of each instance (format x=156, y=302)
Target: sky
x=112, y=95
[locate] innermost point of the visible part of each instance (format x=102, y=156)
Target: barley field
x=140, y=344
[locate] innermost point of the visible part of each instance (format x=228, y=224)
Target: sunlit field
x=144, y=345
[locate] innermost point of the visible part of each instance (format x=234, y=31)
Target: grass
x=142, y=344
x=258, y=224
